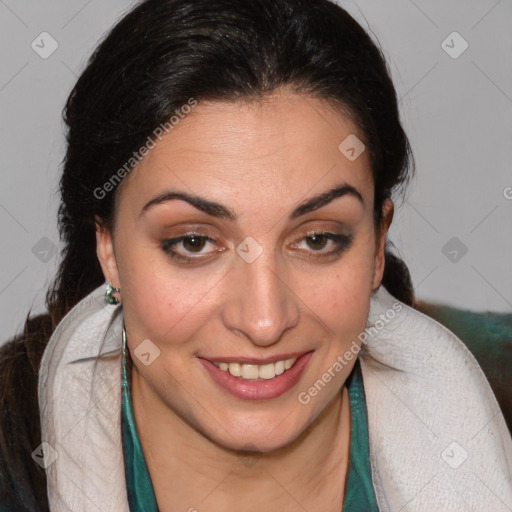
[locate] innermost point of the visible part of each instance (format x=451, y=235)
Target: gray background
x=456, y=111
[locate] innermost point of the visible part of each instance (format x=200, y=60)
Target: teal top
x=359, y=494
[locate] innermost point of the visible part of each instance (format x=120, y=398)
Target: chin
x=261, y=434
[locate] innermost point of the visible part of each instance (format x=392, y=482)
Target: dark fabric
x=138, y=483
x=359, y=494
x=22, y=480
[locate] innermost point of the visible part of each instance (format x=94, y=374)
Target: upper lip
x=253, y=360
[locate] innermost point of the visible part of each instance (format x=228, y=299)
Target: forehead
x=286, y=142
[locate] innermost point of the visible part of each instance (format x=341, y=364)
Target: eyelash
x=342, y=242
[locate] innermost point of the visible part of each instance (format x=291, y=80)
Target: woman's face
x=249, y=288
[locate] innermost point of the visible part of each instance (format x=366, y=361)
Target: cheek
x=342, y=299
x=344, y=308
x=145, y=289
x=162, y=302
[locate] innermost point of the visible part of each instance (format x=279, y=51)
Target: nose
x=261, y=304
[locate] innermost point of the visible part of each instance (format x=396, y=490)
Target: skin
x=260, y=159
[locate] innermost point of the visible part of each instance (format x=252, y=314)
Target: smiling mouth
x=244, y=379
x=255, y=371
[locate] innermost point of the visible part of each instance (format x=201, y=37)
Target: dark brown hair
x=151, y=63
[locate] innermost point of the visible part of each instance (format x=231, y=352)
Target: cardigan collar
x=437, y=437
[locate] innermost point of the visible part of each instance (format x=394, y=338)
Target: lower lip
x=258, y=390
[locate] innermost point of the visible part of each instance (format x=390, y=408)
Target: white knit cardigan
x=438, y=440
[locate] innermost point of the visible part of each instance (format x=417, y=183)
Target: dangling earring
x=108, y=294
x=124, y=373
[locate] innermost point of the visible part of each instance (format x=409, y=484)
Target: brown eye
x=192, y=243
x=319, y=241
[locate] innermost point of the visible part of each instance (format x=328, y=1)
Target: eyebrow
x=222, y=212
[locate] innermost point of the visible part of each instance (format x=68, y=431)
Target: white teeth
x=249, y=371
x=254, y=371
x=267, y=371
x=235, y=369
x=289, y=363
x=279, y=367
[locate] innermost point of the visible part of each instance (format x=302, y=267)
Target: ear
x=387, y=217
x=106, y=254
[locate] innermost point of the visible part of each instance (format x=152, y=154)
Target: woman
x=226, y=287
